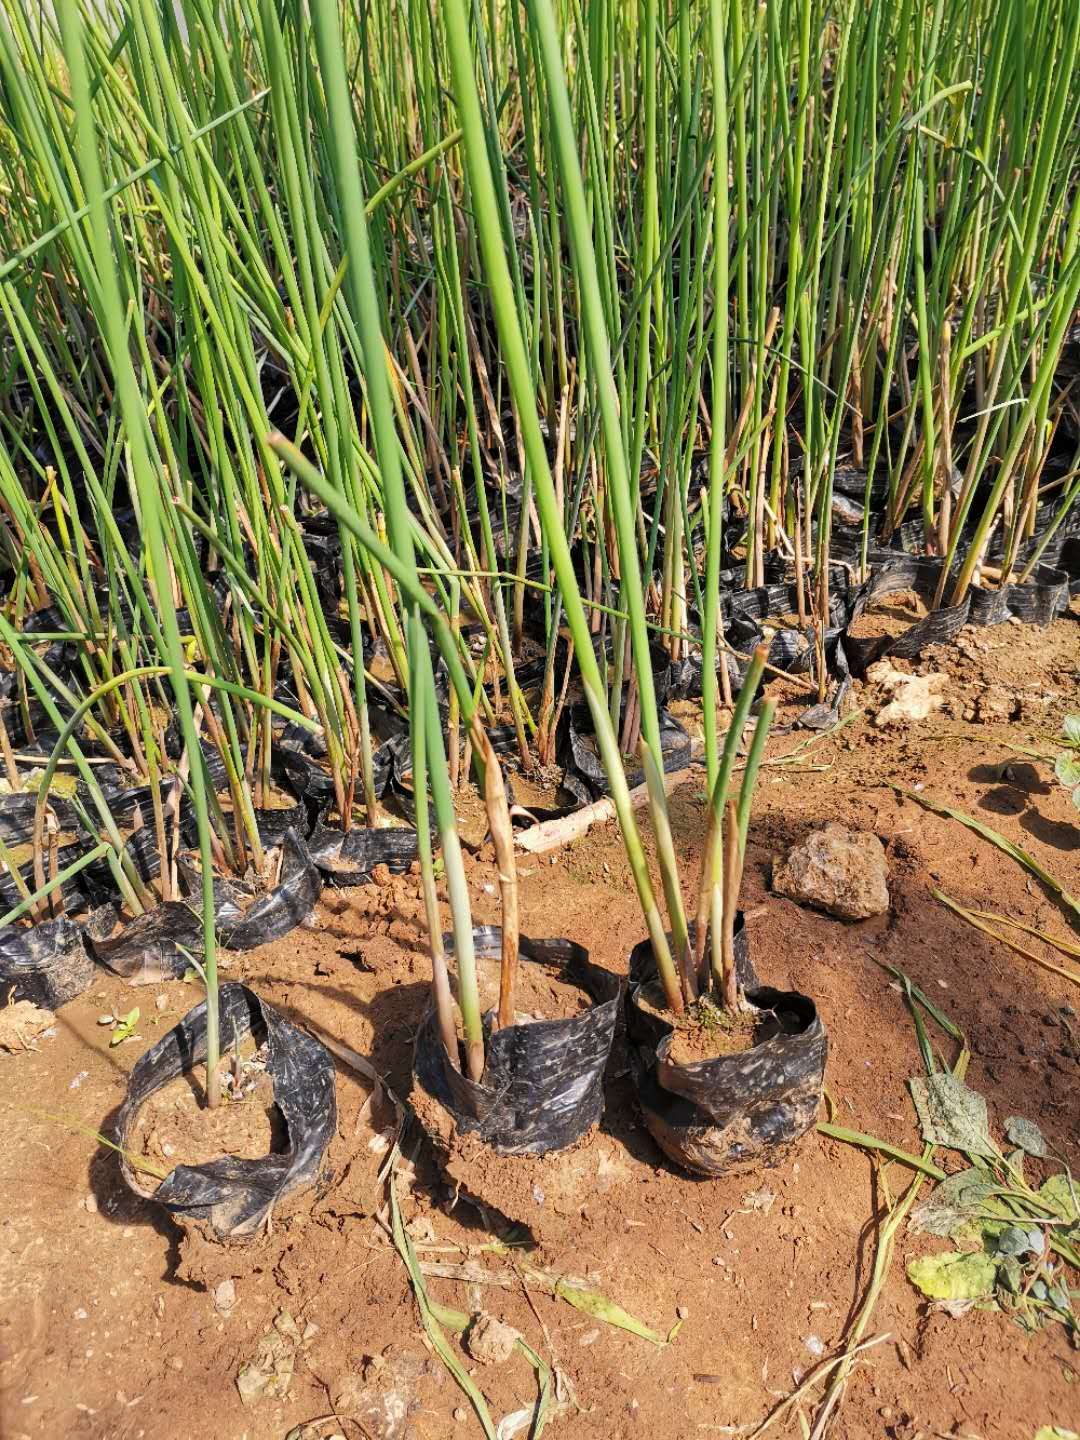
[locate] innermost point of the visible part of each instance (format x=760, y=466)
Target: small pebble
x=590, y=1337
x=161, y=1002
x=80, y=1314
x=461, y=1415
x=225, y=1296
x=90, y=1204
x=682, y=1312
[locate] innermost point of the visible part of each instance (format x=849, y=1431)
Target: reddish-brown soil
x=175, y=1127
x=891, y=615
x=112, y=1323
x=705, y=1032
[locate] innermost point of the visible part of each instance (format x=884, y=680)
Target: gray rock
x=838, y=870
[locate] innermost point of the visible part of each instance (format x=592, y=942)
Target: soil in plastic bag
x=581, y=756
x=542, y=1086
x=149, y=948
x=739, y=1111
x=269, y=916
x=48, y=964
x=233, y=1197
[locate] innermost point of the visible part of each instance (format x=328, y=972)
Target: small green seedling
x=1067, y=764
x=124, y=1027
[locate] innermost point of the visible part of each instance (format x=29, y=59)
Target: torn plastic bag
x=581, y=754
x=1037, y=601
x=576, y=794
x=296, y=759
x=350, y=859
x=17, y=816
x=273, y=823
x=149, y=948
x=230, y=896
x=290, y=901
x=48, y=964
x=542, y=1086
x=123, y=802
x=215, y=766
x=235, y=1197
x=141, y=848
x=270, y=822
x=735, y=1112
x=75, y=891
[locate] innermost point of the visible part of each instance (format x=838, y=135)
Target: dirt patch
x=108, y=1321
x=539, y=1196
x=175, y=1127
x=890, y=616
x=706, y=1030
x=540, y=992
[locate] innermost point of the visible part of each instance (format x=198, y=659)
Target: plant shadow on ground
x=1021, y=1062
x=1024, y=1054
x=1012, y=800
x=119, y=1205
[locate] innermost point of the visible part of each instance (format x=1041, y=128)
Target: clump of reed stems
x=495, y=289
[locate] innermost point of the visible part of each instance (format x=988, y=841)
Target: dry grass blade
x=435, y=1317
x=816, y=1375
x=985, y=921
x=886, y=1240
x=502, y=837
x=137, y=1162
x=1021, y=856
x=564, y=1287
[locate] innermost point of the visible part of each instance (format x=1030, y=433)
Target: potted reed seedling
x=290, y=1072
x=525, y=1079
x=734, y=1079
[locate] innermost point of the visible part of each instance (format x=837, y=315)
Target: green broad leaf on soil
x=1067, y=768
x=1015, y=1242
x=1015, y=1160
x=951, y=1114
x=601, y=1308
x=1076, y=797
x=1026, y=1134
x=953, y=1205
x=1055, y=1432
x=955, y=1275
x=1062, y=1196
x=126, y=1028
x=1071, y=729
x=1011, y=1275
